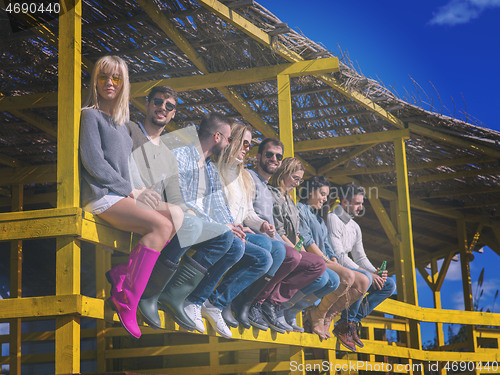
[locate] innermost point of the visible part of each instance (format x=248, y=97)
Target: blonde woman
x=107, y=191
x=286, y=219
x=238, y=191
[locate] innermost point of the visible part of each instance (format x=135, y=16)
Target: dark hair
x=310, y=185
x=350, y=190
x=273, y=141
x=212, y=123
x=168, y=91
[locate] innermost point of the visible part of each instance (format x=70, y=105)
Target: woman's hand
x=268, y=229
x=248, y=230
x=237, y=230
x=148, y=197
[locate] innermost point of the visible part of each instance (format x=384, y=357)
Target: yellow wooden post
x=298, y=360
x=214, y=355
x=16, y=272
x=405, y=229
x=437, y=301
x=465, y=257
x=102, y=263
x=397, y=250
x=285, y=116
x=67, y=356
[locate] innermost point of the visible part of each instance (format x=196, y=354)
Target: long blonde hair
x=227, y=162
x=120, y=113
x=287, y=167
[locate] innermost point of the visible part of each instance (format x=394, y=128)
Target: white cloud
x=461, y=11
x=454, y=272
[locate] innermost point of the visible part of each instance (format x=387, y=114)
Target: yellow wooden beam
x=405, y=229
x=232, y=96
x=285, y=114
x=419, y=166
x=36, y=120
x=40, y=224
x=277, y=47
x=69, y=106
x=237, y=77
x=385, y=221
x=344, y=159
x=16, y=275
x=454, y=140
x=444, y=269
x=425, y=275
x=436, y=293
x=97, y=231
x=48, y=99
x=29, y=175
x=350, y=140
x=10, y=161
x=457, y=193
x=50, y=306
x=425, y=314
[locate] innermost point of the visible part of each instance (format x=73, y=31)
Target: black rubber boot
x=270, y=314
x=148, y=305
x=256, y=319
x=228, y=317
x=243, y=302
x=186, y=279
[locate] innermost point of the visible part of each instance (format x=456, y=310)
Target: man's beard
x=158, y=123
x=266, y=168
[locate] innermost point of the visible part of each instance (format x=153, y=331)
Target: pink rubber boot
x=117, y=274
x=125, y=301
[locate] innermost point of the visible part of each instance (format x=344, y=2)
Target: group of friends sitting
x=218, y=240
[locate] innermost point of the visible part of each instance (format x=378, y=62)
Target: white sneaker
x=194, y=312
x=214, y=316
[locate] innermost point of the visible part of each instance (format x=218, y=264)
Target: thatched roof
x=453, y=165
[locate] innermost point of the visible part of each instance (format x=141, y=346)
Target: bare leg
x=157, y=227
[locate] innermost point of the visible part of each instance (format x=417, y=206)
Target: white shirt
x=345, y=237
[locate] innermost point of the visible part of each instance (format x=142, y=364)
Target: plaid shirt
x=214, y=207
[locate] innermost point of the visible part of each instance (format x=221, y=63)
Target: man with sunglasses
x=171, y=282
x=297, y=270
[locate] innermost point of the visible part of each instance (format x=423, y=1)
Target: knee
x=163, y=228
x=278, y=251
x=390, y=286
x=264, y=261
x=334, y=280
x=292, y=258
x=177, y=216
x=349, y=277
x=363, y=282
x=236, y=250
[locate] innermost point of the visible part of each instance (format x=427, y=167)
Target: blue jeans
x=278, y=253
x=210, y=240
x=255, y=262
x=217, y=270
x=358, y=310
x=325, y=284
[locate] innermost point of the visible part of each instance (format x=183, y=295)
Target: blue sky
x=453, y=44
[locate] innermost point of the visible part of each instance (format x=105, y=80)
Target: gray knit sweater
x=104, y=153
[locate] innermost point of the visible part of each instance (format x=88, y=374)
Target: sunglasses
x=247, y=144
x=269, y=155
x=159, y=102
x=115, y=78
